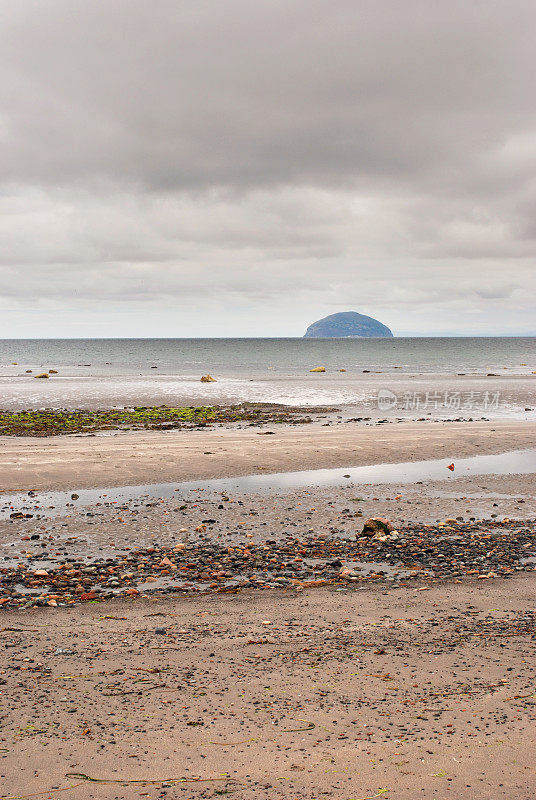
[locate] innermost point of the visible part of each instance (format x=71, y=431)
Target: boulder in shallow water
x=318, y=369
x=207, y=379
x=42, y=375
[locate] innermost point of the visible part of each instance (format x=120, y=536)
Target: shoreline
x=148, y=457
x=493, y=394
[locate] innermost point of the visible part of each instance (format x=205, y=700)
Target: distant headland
x=347, y=324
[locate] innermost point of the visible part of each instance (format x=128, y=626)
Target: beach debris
x=375, y=525
x=318, y=369
x=144, y=781
x=411, y=555
x=451, y=467
x=310, y=726
x=207, y=379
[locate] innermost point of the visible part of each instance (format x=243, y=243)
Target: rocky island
x=347, y=324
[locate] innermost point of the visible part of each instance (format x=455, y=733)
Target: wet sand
x=352, y=388
x=214, y=540
x=70, y=462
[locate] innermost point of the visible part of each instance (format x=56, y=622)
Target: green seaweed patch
x=51, y=422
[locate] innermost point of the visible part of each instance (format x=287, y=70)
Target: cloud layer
x=225, y=167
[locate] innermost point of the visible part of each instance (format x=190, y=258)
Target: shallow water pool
x=47, y=504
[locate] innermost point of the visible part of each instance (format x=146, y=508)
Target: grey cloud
x=184, y=94
x=379, y=152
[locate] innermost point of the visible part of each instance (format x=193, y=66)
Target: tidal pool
x=49, y=504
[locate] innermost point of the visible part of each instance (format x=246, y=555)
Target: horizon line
x=281, y=338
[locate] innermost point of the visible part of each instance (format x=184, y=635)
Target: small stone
x=347, y=574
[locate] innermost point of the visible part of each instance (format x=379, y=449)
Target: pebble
x=479, y=550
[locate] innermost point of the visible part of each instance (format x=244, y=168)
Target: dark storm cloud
x=379, y=152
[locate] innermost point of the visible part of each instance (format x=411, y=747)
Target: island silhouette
x=347, y=325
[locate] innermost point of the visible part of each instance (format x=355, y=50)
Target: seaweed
x=51, y=422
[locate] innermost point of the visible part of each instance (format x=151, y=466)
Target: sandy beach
x=263, y=673
x=117, y=459
x=375, y=693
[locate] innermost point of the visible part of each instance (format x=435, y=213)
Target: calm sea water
x=257, y=356
x=93, y=372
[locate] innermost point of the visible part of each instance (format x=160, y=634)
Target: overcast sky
x=244, y=167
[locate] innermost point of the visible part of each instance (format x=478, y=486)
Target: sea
x=409, y=377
